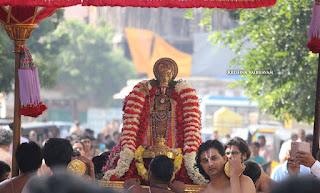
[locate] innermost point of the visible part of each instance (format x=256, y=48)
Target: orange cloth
x=139, y=41
x=164, y=49
x=141, y=45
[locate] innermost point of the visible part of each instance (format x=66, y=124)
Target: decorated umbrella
x=224, y=4
x=20, y=18
x=314, y=47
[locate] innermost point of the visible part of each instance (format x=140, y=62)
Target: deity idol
x=161, y=117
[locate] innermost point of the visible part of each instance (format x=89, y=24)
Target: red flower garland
x=182, y=174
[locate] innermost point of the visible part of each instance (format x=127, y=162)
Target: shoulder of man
x=246, y=184
x=245, y=178
x=5, y=185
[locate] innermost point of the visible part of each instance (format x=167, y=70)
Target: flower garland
x=189, y=128
x=114, y=155
x=142, y=171
x=123, y=165
x=190, y=162
x=136, y=111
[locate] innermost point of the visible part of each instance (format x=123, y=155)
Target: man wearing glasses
x=237, y=148
x=211, y=160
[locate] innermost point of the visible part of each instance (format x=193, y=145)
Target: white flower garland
x=123, y=164
x=194, y=174
x=126, y=155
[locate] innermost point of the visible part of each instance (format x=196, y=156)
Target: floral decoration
x=142, y=171
x=136, y=111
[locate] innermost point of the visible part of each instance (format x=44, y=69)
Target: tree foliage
x=6, y=62
x=43, y=55
x=89, y=67
x=279, y=37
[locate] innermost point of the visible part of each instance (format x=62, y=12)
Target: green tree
x=89, y=68
x=6, y=62
x=43, y=54
x=278, y=35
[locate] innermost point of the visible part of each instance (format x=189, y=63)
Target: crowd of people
x=230, y=167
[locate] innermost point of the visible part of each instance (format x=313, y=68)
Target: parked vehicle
x=275, y=135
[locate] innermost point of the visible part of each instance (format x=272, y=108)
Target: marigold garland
x=142, y=171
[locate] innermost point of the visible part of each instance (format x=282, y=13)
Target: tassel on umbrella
x=31, y=104
x=314, y=30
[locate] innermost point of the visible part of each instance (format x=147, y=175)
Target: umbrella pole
x=17, y=116
x=316, y=128
x=19, y=33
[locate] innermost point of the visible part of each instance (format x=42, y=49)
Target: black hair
x=162, y=168
x=110, y=145
x=204, y=147
x=90, y=131
x=29, y=157
x=309, y=137
x=252, y=170
x=115, y=133
x=57, y=152
x=107, y=137
x=241, y=144
x=100, y=161
x=85, y=137
x=76, y=153
x=305, y=184
x=4, y=168
x=256, y=144
x=262, y=137
x=66, y=183
x=78, y=141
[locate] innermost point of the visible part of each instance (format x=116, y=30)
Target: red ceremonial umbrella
x=223, y=4
x=20, y=18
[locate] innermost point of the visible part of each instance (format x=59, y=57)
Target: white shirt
x=315, y=169
x=280, y=172
x=22, y=140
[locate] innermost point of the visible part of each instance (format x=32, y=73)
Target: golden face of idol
x=166, y=73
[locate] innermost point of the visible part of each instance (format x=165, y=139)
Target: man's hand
x=236, y=167
x=177, y=186
x=89, y=164
x=130, y=182
x=305, y=158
